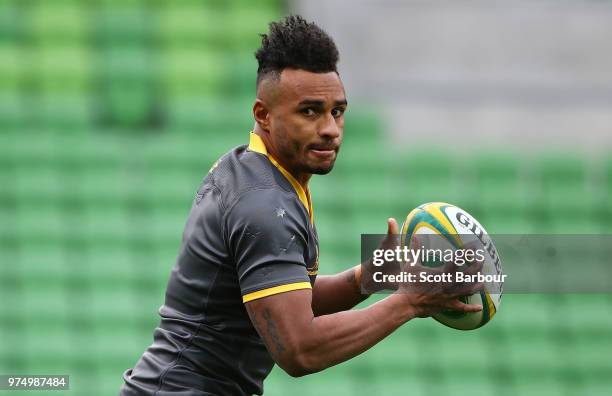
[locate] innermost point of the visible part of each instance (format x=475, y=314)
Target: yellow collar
x=257, y=145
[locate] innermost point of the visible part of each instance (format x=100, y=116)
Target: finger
x=451, y=267
x=392, y=227
x=475, y=268
x=476, y=288
x=462, y=307
x=391, y=240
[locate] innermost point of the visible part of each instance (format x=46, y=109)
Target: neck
x=301, y=178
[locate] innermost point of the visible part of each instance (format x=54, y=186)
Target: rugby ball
x=441, y=225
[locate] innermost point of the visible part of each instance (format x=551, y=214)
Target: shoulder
x=240, y=172
x=267, y=208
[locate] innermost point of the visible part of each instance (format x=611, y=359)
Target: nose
x=330, y=128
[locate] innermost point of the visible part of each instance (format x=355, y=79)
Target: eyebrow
x=320, y=103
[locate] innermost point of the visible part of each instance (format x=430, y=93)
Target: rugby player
x=244, y=293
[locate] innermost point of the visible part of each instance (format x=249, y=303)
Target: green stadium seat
x=589, y=316
x=332, y=260
x=454, y=350
x=241, y=76
x=13, y=113
x=507, y=223
x=496, y=168
x=47, y=347
x=245, y=24
x=96, y=208
x=37, y=221
x=428, y=178
x=511, y=194
x=62, y=70
x=327, y=384
x=364, y=197
x=108, y=265
x=11, y=71
x=11, y=28
x=362, y=128
x=271, y=5
x=70, y=115
x=540, y=385
x=129, y=24
x=325, y=197
x=523, y=314
x=193, y=26
x=562, y=170
x=341, y=249
x=590, y=358
x=12, y=284
x=40, y=260
x=118, y=304
x=209, y=118
x=194, y=72
x=57, y=22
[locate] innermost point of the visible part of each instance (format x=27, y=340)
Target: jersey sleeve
x=267, y=237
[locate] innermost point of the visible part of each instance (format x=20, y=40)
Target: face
x=302, y=114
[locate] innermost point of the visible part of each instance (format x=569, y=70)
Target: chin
x=322, y=170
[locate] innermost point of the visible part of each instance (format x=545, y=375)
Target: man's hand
x=428, y=298
x=391, y=241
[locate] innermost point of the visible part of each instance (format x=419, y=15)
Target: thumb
x=392, y=227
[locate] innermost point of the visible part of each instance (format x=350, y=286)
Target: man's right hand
x=428, y=298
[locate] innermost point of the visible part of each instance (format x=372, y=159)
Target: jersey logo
x=280, y=212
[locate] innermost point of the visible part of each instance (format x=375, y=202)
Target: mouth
x=324, y=152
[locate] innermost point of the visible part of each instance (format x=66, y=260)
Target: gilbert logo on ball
x=439, y=225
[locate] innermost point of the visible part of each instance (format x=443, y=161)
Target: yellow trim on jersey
x=257, y=145
x=275, y=290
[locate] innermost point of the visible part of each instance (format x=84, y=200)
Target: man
x=244, y=293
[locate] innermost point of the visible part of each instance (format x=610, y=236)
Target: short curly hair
x=294, y=43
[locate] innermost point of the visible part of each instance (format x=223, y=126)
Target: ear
x=261, y=115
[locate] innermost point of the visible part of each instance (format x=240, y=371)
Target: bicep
x=282, y=321
x=268, y=250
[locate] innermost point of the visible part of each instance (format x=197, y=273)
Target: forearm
x=302, y=343
x=338, y=337
x=335, y=293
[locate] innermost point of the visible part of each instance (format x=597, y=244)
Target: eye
x=338, y=111
x=308, y=111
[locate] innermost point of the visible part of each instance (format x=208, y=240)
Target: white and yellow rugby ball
x=454, y=228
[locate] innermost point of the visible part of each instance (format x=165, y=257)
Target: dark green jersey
x=249, y=235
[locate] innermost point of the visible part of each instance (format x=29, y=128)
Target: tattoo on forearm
x=254, y=321
x=273, y=334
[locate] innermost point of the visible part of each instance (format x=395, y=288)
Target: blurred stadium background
x=111, y=112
